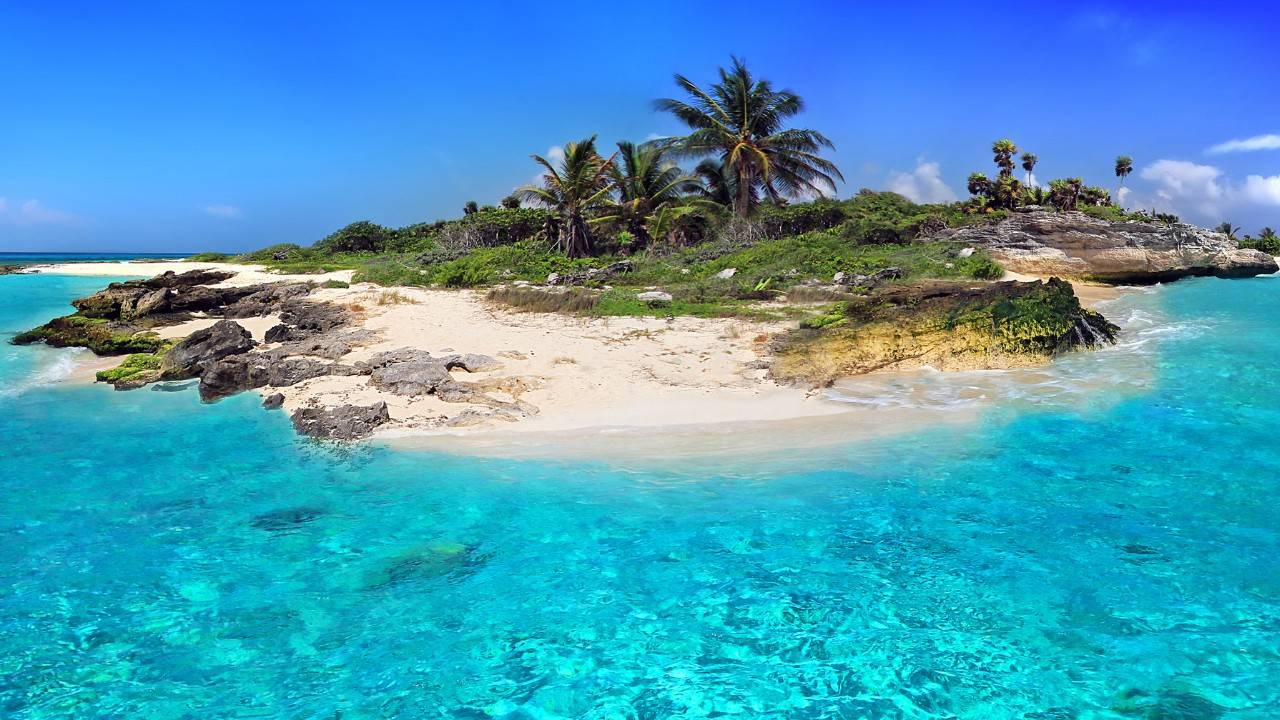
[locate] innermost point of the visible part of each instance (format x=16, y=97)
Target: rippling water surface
x=1103, y=543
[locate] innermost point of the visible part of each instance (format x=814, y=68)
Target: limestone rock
x=188, y=358
x=1073, y=244
x=654, y=297
x=346, y=422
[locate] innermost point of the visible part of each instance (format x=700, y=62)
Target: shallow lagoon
x=1108, y=551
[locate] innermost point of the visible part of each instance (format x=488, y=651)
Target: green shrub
x=358, y=237
x=335, y=285
x=209, y=257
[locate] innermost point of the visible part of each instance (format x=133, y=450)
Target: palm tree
x=577, y=190
x=1004, y=150
x=1266, y=233
x=1229, y=230
x=980, y=184
x=1124, y=166
x=647, y=182
x=741, y=120
x=1029, y=161
x=719, y=185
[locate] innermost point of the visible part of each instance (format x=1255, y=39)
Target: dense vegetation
x=742, y=225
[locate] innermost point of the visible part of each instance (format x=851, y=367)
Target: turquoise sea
x=1102, y=543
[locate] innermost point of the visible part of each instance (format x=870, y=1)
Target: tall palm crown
x=1003, y=152
x=577, y=189
x=647, y=182
x=741, y=120
x=1124, y=166
x=1029, y=161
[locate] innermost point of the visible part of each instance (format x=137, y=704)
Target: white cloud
x=1262, y=190
x=1182, y=186
x=223, y=211
x=1269, y=141
x=553, y=155
x=922, y=185
x=32, y=212
x=1122, y=196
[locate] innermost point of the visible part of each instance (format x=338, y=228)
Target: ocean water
x=42, y=258
x=1103, y=542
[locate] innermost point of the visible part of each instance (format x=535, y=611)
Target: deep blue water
x=1116, y=556
x=39, y=258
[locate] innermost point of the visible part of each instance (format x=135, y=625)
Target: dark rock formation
x=301, y=320
x=948, y=326
x=237, y=373
x=192, y=355
x=273, y=401
x=10, y=269
x=1073, y=244
x=348, y=422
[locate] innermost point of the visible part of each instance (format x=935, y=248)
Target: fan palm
x=1124, y=166
x=577, y=190
x=1029, y=161
x=1004, y=150
x=741, y=121
x=1229, y=230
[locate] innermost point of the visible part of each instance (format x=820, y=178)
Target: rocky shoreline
x=349, y=361
x=1076, y=245
x=307, y=343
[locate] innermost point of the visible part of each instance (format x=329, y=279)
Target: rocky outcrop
x=590, y=275
x=197, y=351
x=237, y=373
x=347, y=422
x=10, y=269
x=1073, y=244
x=120, y=319
x=948, y=326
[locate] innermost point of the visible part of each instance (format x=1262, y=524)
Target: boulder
x=654, y=297
x=237, y=373
x=419, y=377
x=346, y=422
x=188, y=358
x=273, y=401
x=727, y=273
x=1073, y=244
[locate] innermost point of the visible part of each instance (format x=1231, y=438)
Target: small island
x=628, y=289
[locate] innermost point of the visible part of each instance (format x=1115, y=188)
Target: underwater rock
x=438, y=559
x=285, y=519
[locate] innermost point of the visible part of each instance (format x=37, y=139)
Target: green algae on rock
x=949, y=326
x=99, y=335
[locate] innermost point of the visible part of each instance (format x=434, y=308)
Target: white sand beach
x=577, y=372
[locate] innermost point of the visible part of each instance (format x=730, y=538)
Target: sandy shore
x=595, y=386
x=600, y=373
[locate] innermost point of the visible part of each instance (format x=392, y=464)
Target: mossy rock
x=949, y=326
x=137, y=370
x=96, y=334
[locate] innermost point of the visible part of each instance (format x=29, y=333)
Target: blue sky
x=224, y=125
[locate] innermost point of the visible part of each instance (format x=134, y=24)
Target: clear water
x=1096, y=557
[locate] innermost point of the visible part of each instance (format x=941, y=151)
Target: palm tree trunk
x=743, y=205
